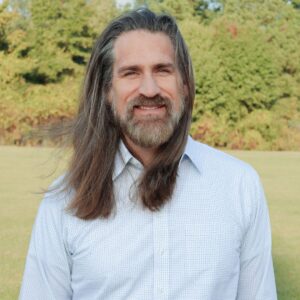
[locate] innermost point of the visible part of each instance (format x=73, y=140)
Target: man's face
x=147, y=91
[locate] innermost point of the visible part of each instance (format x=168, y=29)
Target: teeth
x=148, y=107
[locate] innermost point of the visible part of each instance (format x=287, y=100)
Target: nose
x=149, y=87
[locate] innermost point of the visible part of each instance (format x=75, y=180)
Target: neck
x=144, y=155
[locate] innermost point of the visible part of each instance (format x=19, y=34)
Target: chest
x=189, y=247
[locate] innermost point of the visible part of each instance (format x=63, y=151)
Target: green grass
x=23, y=172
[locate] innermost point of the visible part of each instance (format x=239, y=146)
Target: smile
x=143, y=107
x=146, y=110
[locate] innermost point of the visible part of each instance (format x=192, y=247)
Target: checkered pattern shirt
x=211, y=241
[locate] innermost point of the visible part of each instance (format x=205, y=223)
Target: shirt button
x=162, y=251
x=161, y=291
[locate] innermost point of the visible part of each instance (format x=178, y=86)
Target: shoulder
x=211, y=160
x=56, y=199
x=234, y=183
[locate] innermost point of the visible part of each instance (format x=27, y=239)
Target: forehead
x=143, y=47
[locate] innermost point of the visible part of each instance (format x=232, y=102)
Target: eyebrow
x=137, y=67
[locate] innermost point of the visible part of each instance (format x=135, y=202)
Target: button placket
x=161, y=254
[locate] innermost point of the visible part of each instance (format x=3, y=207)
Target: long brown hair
x=95, y=135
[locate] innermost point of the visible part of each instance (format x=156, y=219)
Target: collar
x=192, y=153
x=124, y=157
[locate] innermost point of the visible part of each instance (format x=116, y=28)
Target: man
x=144, y=211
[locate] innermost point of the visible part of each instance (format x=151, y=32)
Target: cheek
x=115, y=100
x=179, y=97
x=173, y=87
x=119, y=106
x=125, y=87
x=121, y=95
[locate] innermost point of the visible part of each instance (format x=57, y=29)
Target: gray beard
x=152, y=131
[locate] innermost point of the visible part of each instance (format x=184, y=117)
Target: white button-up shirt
x=211, y=241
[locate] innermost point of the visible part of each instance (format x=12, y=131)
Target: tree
x=58, y=40
x=203, y=10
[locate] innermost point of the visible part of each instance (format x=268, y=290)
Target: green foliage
x=37, y=105
x=212, y=130
x=246, y=61
x=237, y=75
x=47, y=45
x=58, y=40
x=246, y=57
x=183, y=9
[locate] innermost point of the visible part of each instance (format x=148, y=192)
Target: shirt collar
x=123, y=157
x=191, y=152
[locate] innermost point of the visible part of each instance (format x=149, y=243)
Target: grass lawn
x=25, y=171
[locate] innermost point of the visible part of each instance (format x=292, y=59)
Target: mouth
x=148, y=107
x=150, y=110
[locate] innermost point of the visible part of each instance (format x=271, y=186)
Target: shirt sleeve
x=256, y=280
x=47, y=271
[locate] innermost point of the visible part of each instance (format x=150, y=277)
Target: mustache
x=146, y=101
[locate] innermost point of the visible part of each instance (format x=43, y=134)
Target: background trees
x=246, y=59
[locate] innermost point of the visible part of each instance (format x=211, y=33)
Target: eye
x=130, y=74
x=164, y=71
